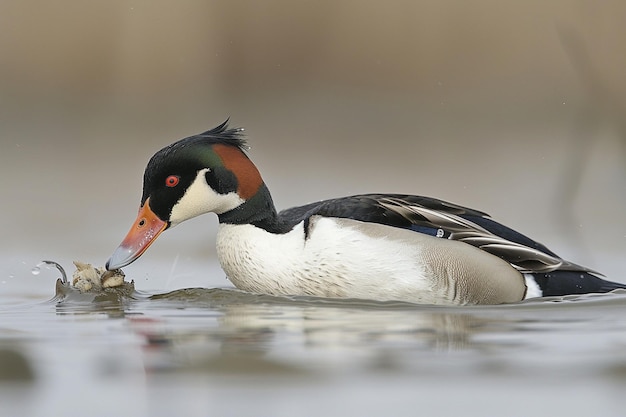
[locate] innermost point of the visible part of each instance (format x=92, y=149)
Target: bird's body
x=335, y=257
x=373, y=246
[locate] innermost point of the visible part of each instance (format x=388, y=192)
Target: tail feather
x=557, y=283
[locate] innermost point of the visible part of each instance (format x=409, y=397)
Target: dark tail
x=573, y=282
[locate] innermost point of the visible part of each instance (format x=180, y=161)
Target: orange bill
x=144, y=231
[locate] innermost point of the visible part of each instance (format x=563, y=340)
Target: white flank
x=533, y=289
x=348, y=258
x=199, y=198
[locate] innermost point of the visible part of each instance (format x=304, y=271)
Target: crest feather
x=226, y=135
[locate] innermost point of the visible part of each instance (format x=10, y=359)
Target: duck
x=382, y=247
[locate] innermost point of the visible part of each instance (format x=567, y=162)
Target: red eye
x=172, y=180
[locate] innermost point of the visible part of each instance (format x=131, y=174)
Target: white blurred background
x=514, y=108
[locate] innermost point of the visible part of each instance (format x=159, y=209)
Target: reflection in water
x=205, y=349
x=230, y=331
x=112, y=301
x=222, y=329
x=251, y=322
x=351, y=328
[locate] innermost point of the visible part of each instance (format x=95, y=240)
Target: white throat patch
x=199, y=198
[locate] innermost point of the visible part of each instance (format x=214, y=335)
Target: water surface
x=220, y=351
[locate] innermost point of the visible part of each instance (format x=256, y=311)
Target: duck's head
x=204, y=173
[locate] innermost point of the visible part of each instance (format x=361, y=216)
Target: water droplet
x=35, y=271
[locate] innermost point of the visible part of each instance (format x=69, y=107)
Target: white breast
x=349, y=258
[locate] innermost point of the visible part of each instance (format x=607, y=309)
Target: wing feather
x=522, y=257
x=442, y=219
